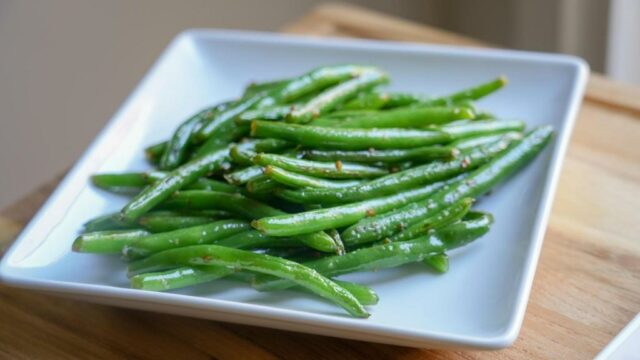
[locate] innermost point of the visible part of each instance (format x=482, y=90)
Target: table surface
x=586, y=289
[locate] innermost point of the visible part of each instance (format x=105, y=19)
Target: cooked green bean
x=247, y=208
x=178, y=278
x=107, y=242
x=321, y=78
x=473, y=93
x=391, y=156
x=230, y=133
x=348, y=139
x=472, y=142
x=253, y=239
x=479, y=182
x=391, y=254
x=127, y=182
x=332, y=170
x=403, y=180
x=339, y=216
x=334, y=96
x=107, y=222
x=223, y=122
x=162, y=189
x=276, y=112
x=243, y=176
x=196, y=235
x=194, y=275
x=234, y=259
x=482, y=127
x=175, y=153
x=257, y=87
x=405, y=118
x=445, y=217
x=261, y=185
x=438, y=262
x=296, y=180
x=154, y=152
x=162, y=221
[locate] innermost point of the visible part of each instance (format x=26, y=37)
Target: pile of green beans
x=304, y=179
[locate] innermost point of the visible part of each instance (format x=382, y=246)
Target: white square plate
x=479, y=303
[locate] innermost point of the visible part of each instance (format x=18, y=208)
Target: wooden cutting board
x=587, y=286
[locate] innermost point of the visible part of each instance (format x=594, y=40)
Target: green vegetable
x=445, y=217
x=391, y=156
x=391, y=254
x=196, y=235
x=128, y=182
x=334, y=96
x=333, y=170
x=176, y=150
x=478, y=183
x=107, y=242
x=405, y=118
x=339, y=216
x=177, y=179
x=236, y=260
x=301, y=181
x=348, y=139
x=246, y=208
x=403, y=180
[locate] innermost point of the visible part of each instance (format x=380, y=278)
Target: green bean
x=261, y=185
x=366, y=100
x=482, y=127
x=445, y=217
x=333, y=170
x=403, y=180
x=213, y=143
x=162, y=222
x=107, y=242
x=319, y=79
x=365, y=295
x=253, y=239
x=391, y=254
x=243, y=176
x=223, y=123
x=154, y=152
x=243, y=152
x=301, y=181
x=156, y=221
x=246, y=208
x=195, y=235
x=194, y=275
x=478, y=183
x=178, y=278
x=406, y=118
x=176, y=150
x=348, y=139
x=336, y=95
x=234, y=259
x=258, y=87
x=372, y=100
x=472, y=142
x=391, y=156
x=107, y=222
x=438, y=262
x=339, y=216
x=473, y=93
x=182, y=176
x=127, y=182
x=276, y=112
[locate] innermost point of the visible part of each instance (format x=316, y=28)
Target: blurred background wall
x=66, y=65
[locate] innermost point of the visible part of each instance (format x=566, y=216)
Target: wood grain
x=587, y=286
